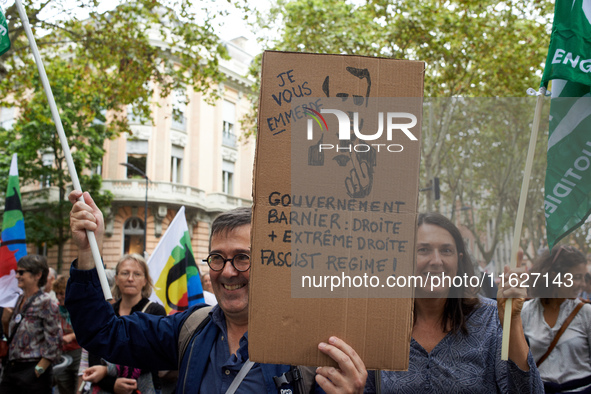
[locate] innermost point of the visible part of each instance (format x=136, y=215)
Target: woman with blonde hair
x=132, y=288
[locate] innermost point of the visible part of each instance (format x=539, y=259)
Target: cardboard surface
x=328, y=206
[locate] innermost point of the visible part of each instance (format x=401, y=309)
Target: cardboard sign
x=336, y=183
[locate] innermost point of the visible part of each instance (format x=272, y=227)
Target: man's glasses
x=22, y=272
x=216, y=262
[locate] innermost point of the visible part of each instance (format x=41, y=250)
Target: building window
x=98, y=170
x=133, y=236
x=48, y=158
x=229, y=120
x=176, y=166
x=227, y=177
x=179, y=108
x=137, y=155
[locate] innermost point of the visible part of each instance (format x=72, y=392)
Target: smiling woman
x=456, y=336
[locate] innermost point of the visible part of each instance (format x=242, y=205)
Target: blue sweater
x=463, y=363
x=142, y=340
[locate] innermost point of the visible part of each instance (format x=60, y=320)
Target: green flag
x=567, y=202
x=569, y=55
x=4, y=40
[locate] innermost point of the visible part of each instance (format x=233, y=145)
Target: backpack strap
x=246, y=367
x=563, y=328
x=146, y=306
x=193, y=324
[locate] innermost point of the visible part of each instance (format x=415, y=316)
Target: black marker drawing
x=359, y=181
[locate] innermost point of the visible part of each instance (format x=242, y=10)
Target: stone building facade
x=193, y=155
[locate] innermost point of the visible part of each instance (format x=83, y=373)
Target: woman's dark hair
x=461, y=301
x=560, y=260
x=35, y=264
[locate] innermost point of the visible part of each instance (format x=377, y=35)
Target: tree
x=42, y=158
x=99, y=65
x=498, y=136
x=471, y=49
x=580, y=237
x=116, y=50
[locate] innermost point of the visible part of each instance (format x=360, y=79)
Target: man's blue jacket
x=142, y=340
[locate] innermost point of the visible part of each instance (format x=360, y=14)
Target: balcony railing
x=134, y=190
x=128, y=190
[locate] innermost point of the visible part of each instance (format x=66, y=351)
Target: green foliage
x=114, y=53
x=484, y=169
x=471, y=48
x=98, y=65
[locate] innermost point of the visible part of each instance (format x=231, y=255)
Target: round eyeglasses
x=216, y=262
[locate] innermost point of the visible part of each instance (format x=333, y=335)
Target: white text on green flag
x=567, y=202
x=4, y=40
x=569, y=55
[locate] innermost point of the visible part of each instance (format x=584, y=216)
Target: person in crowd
x=5, y=314
x=586, y=293
x=66, y=380
x=206, y=283
x=215, y=353
x=34, y=332
x=208, y=296
x=48, y=288
x=456, y=336
x=133, y=286
x=559, y=275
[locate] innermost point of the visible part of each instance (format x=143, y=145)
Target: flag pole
x=520, y=214
x=65, y=147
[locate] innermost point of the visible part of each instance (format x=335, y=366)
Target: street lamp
x=142, y=174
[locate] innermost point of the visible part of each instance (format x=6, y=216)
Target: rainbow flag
x=13, y=244
x=177, y=284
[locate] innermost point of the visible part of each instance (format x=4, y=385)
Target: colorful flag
x=4, y=40
x=177, y=284
x=13, y=241
x=567, y=202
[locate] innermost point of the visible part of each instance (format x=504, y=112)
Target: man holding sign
x=216, y=357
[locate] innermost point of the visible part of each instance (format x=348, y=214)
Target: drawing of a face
x=359, y=180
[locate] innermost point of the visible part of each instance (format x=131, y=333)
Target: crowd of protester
x=455, y=344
